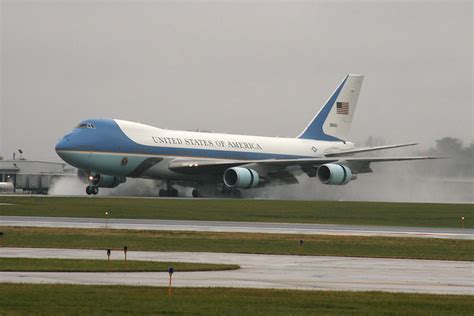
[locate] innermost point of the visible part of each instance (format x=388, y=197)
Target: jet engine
x=103, y=181
x=239, y=177
x=332, y=173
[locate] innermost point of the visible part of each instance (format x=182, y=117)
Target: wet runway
x=242, y=227
x=265, y=271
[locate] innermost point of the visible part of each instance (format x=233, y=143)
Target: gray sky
x=260, y=68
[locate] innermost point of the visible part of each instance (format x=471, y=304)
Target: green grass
x=99, y=300
x=74, y=265
x=325, y=212
x=354, y=246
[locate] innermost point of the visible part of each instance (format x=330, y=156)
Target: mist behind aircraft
x=450, y=180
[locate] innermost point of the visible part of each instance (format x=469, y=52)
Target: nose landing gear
x=92, y=190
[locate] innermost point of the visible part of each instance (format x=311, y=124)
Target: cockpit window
x=85, y=125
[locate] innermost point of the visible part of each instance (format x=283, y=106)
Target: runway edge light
x=170, y=272
x=106, y=219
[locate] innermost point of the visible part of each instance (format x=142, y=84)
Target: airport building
x=31, y=176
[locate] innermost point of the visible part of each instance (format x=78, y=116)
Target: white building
x=33, y=176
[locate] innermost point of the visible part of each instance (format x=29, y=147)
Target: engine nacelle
x=243, y=178
x=103, y=181
x=332, y=173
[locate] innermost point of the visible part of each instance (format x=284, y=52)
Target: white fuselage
x=244, y=146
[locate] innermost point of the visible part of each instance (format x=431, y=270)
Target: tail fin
x=333, y=121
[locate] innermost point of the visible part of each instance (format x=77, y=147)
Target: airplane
x=109, y=151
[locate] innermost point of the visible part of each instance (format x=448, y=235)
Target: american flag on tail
x=342, y=108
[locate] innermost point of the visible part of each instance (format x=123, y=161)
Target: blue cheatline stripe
x=194, y=153
x=315, y=129
x=210, y=153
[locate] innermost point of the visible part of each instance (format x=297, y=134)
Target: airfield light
x=108, y=254
x=106, y=219
x=170, y=271
x=301, y=242
x=462, y=222
x=125, y=249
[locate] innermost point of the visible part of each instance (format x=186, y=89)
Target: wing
x=362, y=150
x=214, y=166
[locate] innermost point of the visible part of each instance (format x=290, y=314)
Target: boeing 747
x=110, y=150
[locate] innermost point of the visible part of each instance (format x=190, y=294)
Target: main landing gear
x=92, y=190
x=170, y=192
x=231, y=193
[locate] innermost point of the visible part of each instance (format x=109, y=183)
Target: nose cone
x=63, y=145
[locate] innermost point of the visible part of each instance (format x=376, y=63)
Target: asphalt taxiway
x=264, y=271
x=240, y=227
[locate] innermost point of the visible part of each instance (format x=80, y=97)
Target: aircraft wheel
x=95, y=190
x=163, y=193
x=226, y=190
x=195, y=193
x=237, y=194
x=88, y=190
x=172, y=192
x=231, y=193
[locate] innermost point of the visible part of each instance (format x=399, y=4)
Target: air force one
x=110, y=150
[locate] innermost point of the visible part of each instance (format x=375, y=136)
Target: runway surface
x=241, y=227
x=265, y=271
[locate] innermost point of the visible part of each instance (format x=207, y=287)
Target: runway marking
x=265, y=271
x=238, y=227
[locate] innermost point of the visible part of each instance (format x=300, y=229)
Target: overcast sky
x=260, y=68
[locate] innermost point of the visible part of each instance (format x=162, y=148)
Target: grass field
x=71, y=265
x=98, y=300
x=354, y=246
x=325, y=212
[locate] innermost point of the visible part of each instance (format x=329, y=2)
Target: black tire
x=95, y=190
x=195, y=193
x=236, y=194
x=231, y=193
x=163, y=193
x=172, y=192
x=88, y=190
